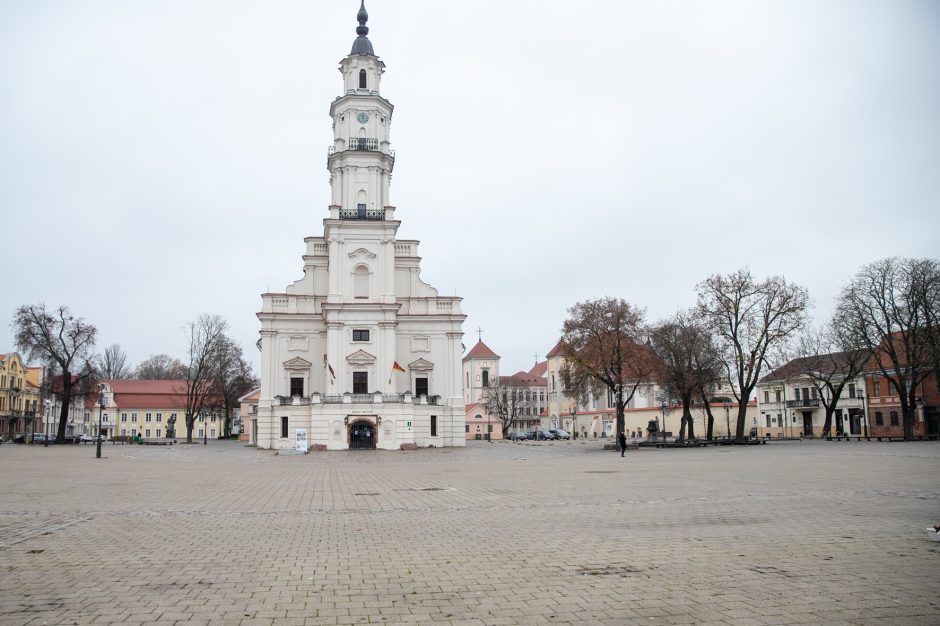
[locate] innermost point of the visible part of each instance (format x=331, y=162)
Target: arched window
x=361, y=282
x=362, y=79
x=486, y=378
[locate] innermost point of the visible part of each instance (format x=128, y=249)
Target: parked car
x=540, y=435
x=86, y=438
x=559, y=433
x=38, y=438
x=19, y=438
x=517, y=436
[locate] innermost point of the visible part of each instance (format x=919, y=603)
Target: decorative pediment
x=421, y=365
x=297, y=363
x=360, y=357
x=361, y=252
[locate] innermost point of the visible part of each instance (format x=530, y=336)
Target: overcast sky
x=162, y=158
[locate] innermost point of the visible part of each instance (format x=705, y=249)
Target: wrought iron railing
x=362, y=214
x=803, y=404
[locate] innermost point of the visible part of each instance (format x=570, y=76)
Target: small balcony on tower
x=360, y=144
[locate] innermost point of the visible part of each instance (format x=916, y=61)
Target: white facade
x=331, y=341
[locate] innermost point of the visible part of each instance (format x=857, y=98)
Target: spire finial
x=363, y=17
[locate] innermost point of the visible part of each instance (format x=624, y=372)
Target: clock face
x=363, y=117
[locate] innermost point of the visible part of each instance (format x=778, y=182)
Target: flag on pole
x=395, y=368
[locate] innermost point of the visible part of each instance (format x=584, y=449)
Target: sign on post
x=301, y=444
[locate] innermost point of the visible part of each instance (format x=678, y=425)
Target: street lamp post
x=574, y=422
x=47, y=405
x=727, y=405
x=205, y=429
x=861, y=397
x=662, y=431
x=101, y=402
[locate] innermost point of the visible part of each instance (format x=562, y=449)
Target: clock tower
x=360, y=161
x=360, y=352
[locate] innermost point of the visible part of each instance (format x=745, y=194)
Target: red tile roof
x=146, y=394
x=539, y=369
x=481, y=351
x=556, y=351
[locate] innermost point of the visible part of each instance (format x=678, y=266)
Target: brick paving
x=501, y=533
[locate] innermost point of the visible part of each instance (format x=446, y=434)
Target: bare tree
x=689, y=362
x=752, y=321
x=234, y=378
x=205, y=337
x=160, y=367
x=505, y=399
x=605, y=349
x=830, y=359
x=61, y=340
x=112, y=364
x=883, y=307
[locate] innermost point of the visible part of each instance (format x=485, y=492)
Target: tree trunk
x=686, y=417
x=742, y=419
x=620, y=418
x=66, y=403
x=710, y=430
x=189, y=427
x=827, y=426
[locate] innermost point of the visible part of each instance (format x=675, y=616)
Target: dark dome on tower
x=362, y=45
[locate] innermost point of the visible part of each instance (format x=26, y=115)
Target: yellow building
x=19, y=397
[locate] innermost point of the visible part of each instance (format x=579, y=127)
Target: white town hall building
x=360, y=353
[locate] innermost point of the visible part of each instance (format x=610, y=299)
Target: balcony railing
x=357, y=398
x=362, y=214
x=367, y=144
x=803, y=404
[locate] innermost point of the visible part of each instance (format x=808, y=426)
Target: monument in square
x=360, y=353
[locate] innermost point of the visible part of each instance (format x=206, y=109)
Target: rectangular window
x=489, y=428
x=160, y=417
x=296, y=386
x=466, y=428
x=777, y=394
x=86, y=417
x=360, y=382
x=421, y=386
x=434, y=425
x=200, y=433
x=283, y=427
x=361, y=211
x=879, y=419
x=158, y=432
x=212, y=433
x=766, y=397
x=133, y=417
x=173, y=416
x=212, y=418
x=148, y=417
x=894, y=418
x=768, y=421
x=123, y=432
x=876, y=388
x=360, y=335
x=123, y=417
x=147, y=433
x=202, y=418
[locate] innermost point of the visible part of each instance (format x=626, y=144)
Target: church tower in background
x=360, y=353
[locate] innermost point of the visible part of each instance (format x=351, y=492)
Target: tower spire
x=362, y=45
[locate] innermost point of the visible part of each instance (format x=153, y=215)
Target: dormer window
x=362, y=79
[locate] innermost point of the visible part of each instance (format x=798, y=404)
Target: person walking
x=623, y=442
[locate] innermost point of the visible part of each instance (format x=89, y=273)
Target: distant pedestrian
x=623, y=442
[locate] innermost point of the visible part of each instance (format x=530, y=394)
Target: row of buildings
x=153, y=409
x=788, y=403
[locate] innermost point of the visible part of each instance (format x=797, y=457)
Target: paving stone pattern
x=497, y=533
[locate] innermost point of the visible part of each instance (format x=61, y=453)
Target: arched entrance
x=362, y=435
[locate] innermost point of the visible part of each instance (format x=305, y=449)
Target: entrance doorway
x=807, y=423
x=361, y=436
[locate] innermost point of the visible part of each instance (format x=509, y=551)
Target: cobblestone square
x=497, y=533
